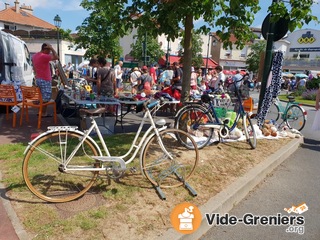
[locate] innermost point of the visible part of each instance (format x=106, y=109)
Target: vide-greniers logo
x=186, y=218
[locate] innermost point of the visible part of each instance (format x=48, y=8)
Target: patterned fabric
x=273, y=87
x=45, y=88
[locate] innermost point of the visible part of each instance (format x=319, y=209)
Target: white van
x=15, y=62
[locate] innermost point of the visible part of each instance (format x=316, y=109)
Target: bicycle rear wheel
x=192, y=120
x=249, y=131
x=44, y=169
x=295, y=117
x=167, y=162
x=273, y=112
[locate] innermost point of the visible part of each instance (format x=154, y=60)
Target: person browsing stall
x=134, y=79
x=41, y=67
x=94, y=66
x=144, y=81
x=118, y=72
x=106, y=80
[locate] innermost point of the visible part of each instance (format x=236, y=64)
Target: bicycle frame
x=218, y=122
x=283, y=108
x=94, y=127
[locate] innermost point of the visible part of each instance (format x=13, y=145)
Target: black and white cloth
x=273, y=86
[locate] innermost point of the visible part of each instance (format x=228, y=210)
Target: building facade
x=19, y=20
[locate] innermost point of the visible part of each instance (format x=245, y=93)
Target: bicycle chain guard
x=115, y=167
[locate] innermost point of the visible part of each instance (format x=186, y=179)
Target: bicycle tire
x=191, y=119
x=42, y=167
x=166, y=172
x=295, y=117
x=273, y=112
x=249, y=131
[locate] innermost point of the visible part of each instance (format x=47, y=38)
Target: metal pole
x=267, y=61
x=145, y=50
x=207, y=54
x=167, y=56
x=58, y=48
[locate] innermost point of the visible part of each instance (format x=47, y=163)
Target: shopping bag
x=316, y=122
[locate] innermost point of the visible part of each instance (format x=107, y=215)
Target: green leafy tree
x=98, y=35
x=153, y=49
x=167, y=17
x=197, y=42
x=253, y=58
x=65, y=34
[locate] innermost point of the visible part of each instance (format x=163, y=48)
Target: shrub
x=299, y=91
x=309, y=94
x=313, y=83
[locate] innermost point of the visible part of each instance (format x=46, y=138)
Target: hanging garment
x=273, y=87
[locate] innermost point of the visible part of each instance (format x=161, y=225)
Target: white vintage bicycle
x=63, y=163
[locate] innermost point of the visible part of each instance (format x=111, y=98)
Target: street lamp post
x=57, y=23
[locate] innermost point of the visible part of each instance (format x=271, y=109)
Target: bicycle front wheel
x=192, y=120
x=295, y=117
x=46, y=174
x=166, y=161
x=249, y=131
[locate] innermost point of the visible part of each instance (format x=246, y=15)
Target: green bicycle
x=292, y=114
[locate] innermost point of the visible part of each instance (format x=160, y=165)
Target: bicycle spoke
x=46, y=174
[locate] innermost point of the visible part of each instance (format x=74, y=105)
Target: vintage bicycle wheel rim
x=191, y=120
x=295, y=117
x=169, y=171
x=41, y=167
x=250, y=132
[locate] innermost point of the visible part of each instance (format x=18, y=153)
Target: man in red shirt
x=41, y=67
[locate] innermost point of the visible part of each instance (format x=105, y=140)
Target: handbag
x=316, y=122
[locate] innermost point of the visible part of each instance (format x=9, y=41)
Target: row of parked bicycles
x=63, y=163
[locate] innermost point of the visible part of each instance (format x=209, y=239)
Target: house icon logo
x=186, y=218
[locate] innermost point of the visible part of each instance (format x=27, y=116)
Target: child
x=203, y=86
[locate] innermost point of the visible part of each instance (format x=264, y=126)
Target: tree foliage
x=98, y=34
x=197, y=42
x=153, y=49
x=253, y=58
x=167, y=17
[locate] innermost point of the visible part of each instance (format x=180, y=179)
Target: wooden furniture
x=8, y=98
x=31, y=97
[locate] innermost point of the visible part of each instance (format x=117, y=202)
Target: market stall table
x=78, y=104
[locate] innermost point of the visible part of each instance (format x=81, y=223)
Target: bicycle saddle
x=205, y=98
x=291, y=98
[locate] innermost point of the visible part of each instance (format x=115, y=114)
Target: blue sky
x=72, y=14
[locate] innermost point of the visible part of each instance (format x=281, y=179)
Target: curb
x=225, y=200
x=17, y=225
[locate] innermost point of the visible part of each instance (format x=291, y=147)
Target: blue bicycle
x=202, y=120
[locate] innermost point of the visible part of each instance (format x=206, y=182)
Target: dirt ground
x=131, y=208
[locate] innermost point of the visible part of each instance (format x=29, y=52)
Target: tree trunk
x=187, y=58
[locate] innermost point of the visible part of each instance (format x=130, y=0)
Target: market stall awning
x=211, y=63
